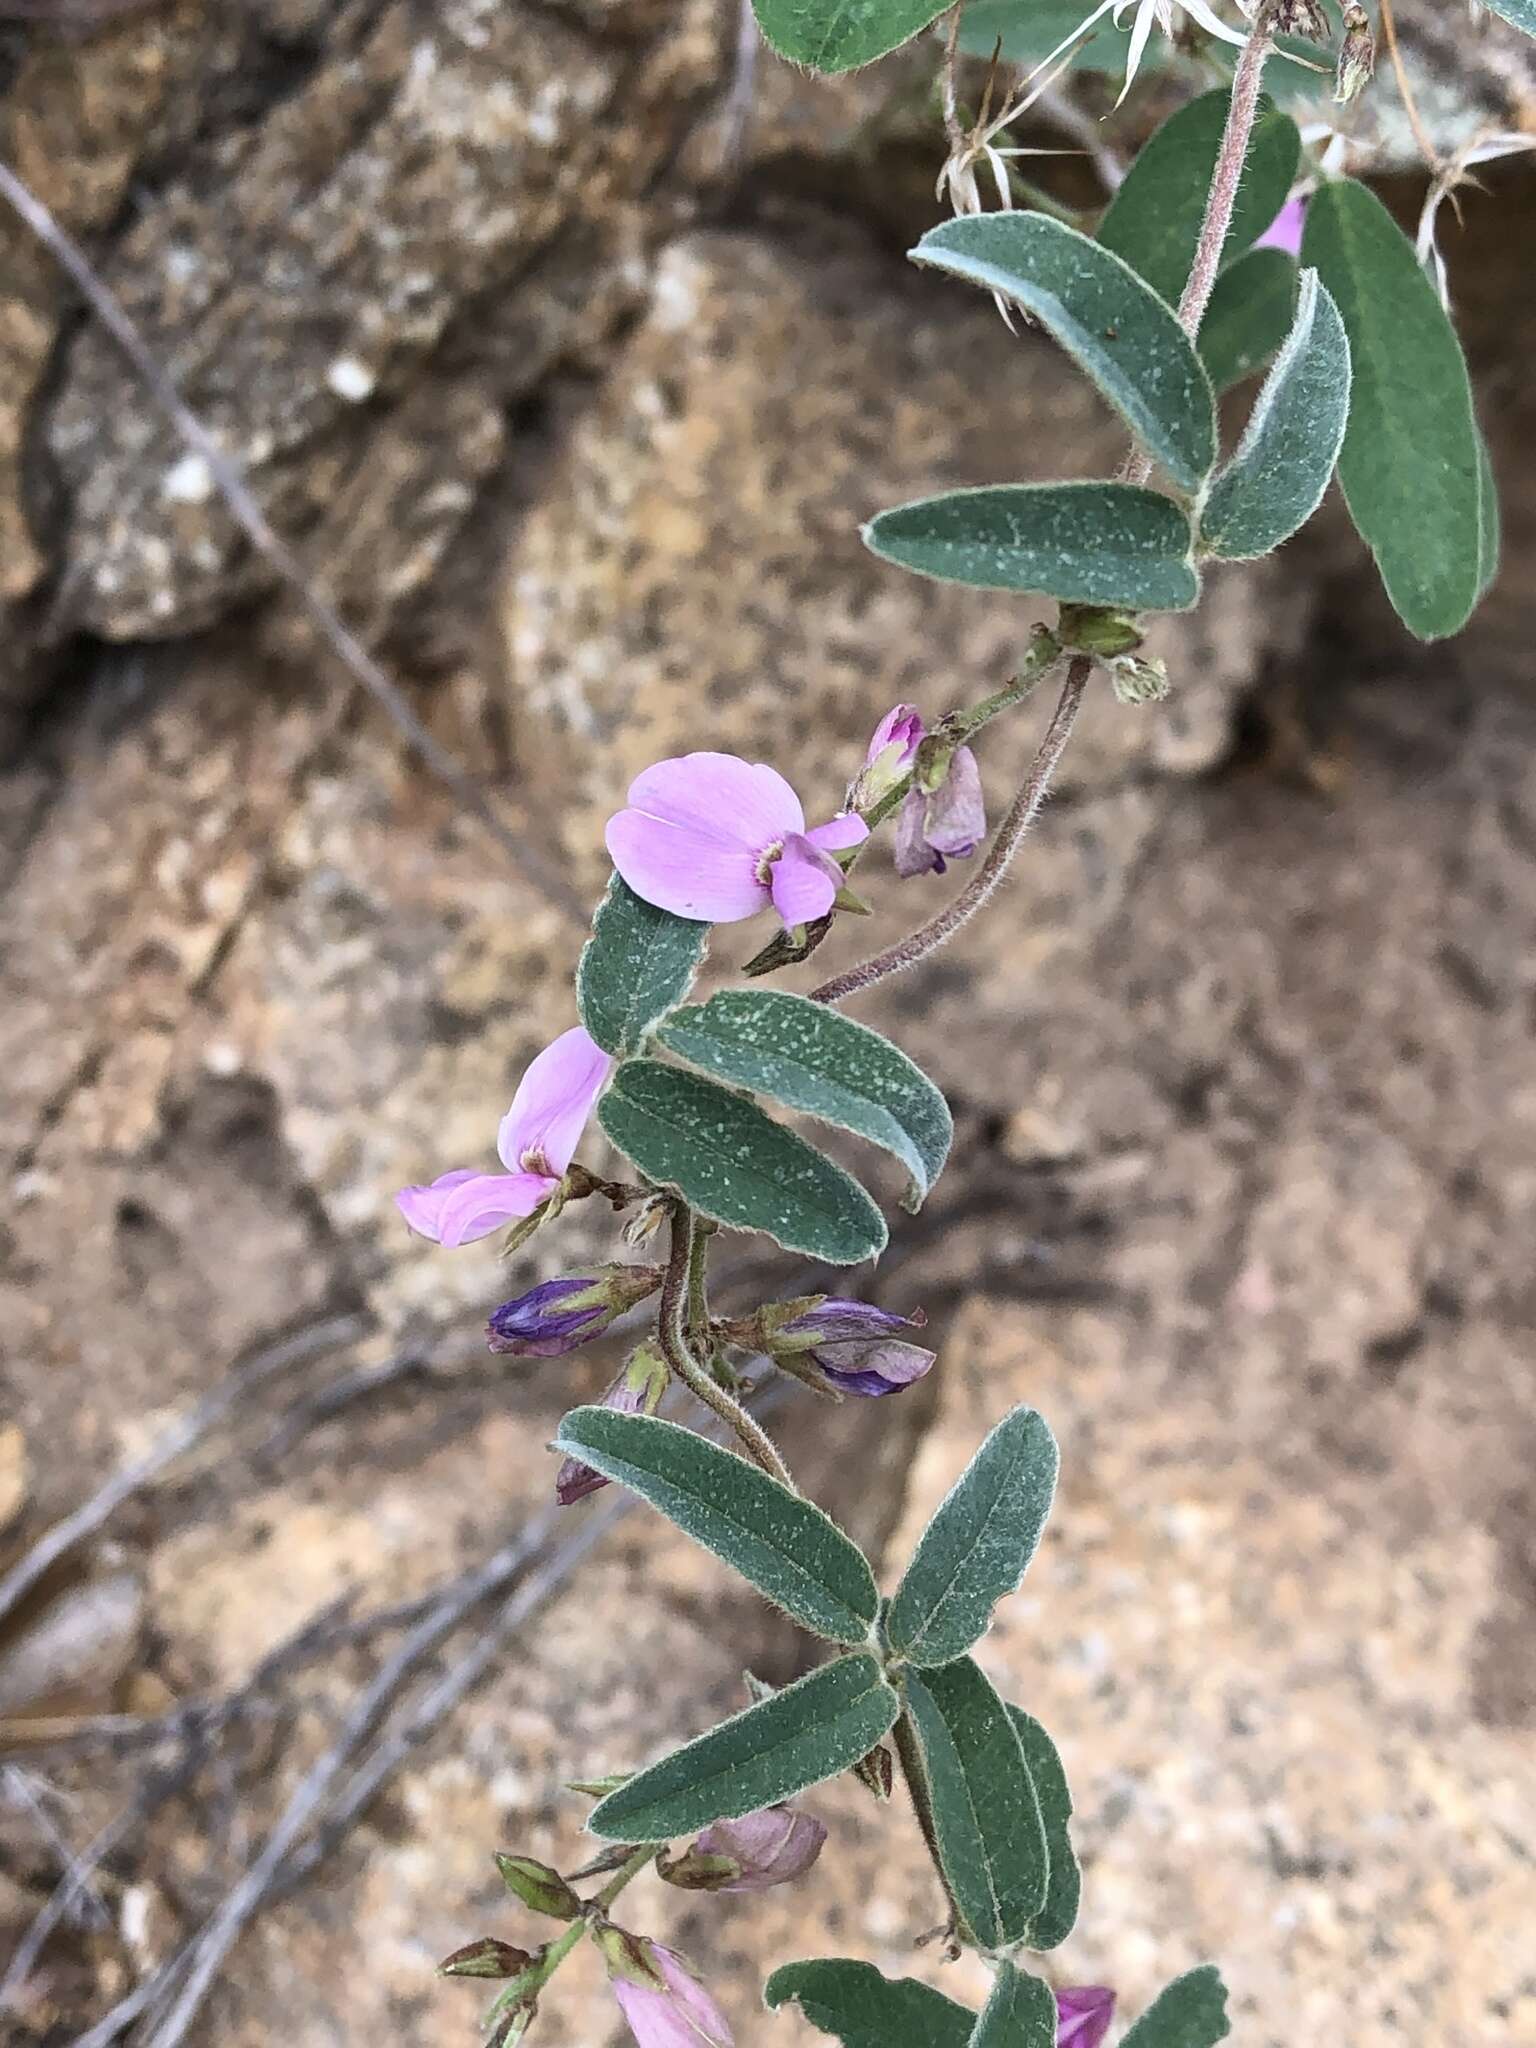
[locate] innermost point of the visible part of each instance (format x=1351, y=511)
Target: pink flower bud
x=1083, y=2014
x=773, y=1846
x=663, y=2002
x=891, y=751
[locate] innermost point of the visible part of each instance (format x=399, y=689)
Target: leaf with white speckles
x=1112, y=324
x=1084, y=543
x=806, y=1055
x=795, y=1555
x=733, y=1163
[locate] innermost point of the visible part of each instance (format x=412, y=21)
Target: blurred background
x=566, y=342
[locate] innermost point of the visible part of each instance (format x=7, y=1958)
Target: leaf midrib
x=585, y=1451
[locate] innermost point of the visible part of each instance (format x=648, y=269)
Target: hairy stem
x=983, y=885
x=910, y=1756
x=677, y=1350
x=1227, y=176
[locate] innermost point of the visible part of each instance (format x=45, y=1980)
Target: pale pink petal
x=804, y=881
x=846, y=829
x=681, y=2015
x=1285, y=230
x=911, y=852
x=422, y=1207
x=540, y=1132
x=745, y=803
x=483, y=1202
x=690, y=873
x=902, y=728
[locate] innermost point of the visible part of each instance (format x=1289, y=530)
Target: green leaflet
x=1276, y=480
x=1058, y=1916
x=733, y=1163
x=839, y=35
x=1030, y=30
x=1519, y=14
x=1084, y=543
x=865, y=2010
x=1115, y=328
x=1021, y=2013
x=1190, y=2013
x=1411, y=463
x=1154, y=219
x=976, y=1548
x=822, y=1724
x=794, y=1555
x=806, y=1055
x=1489, y=523
x=986, y=1817
x=638, y=964
x=1249, y=316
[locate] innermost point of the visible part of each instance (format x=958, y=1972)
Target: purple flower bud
x=663, y=2002
x=1083, y=2014
x=558, y=1315
x=773, y=1846
x=937, y=826
x=891, y=751
x=854, y=1346
x=637, y=1391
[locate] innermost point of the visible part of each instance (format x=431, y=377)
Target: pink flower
x=713, y=837
x=1284, y=231
x=537, y=1141
x=1083, y=2014
x=676, y=2012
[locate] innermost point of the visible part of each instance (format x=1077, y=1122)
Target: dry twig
x=263, y=537
x=280, y=1357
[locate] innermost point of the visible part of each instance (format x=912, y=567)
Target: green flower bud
x=541, y=1889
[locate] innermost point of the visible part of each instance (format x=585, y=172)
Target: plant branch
x=952, y=127
x=677, y=1350
x=1247, y=81
x=984, y=884
x=1421, y=135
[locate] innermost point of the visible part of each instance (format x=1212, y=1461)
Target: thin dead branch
x=269, y=545
x=281, y=1357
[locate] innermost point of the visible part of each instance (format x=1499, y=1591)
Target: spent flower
x=1148, y=15
x=776, y=1845
x=853, y=1347
x=945, y=822
x=536, y=1143
x=713, y=837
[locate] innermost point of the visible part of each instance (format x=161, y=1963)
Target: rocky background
x=567, y=351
